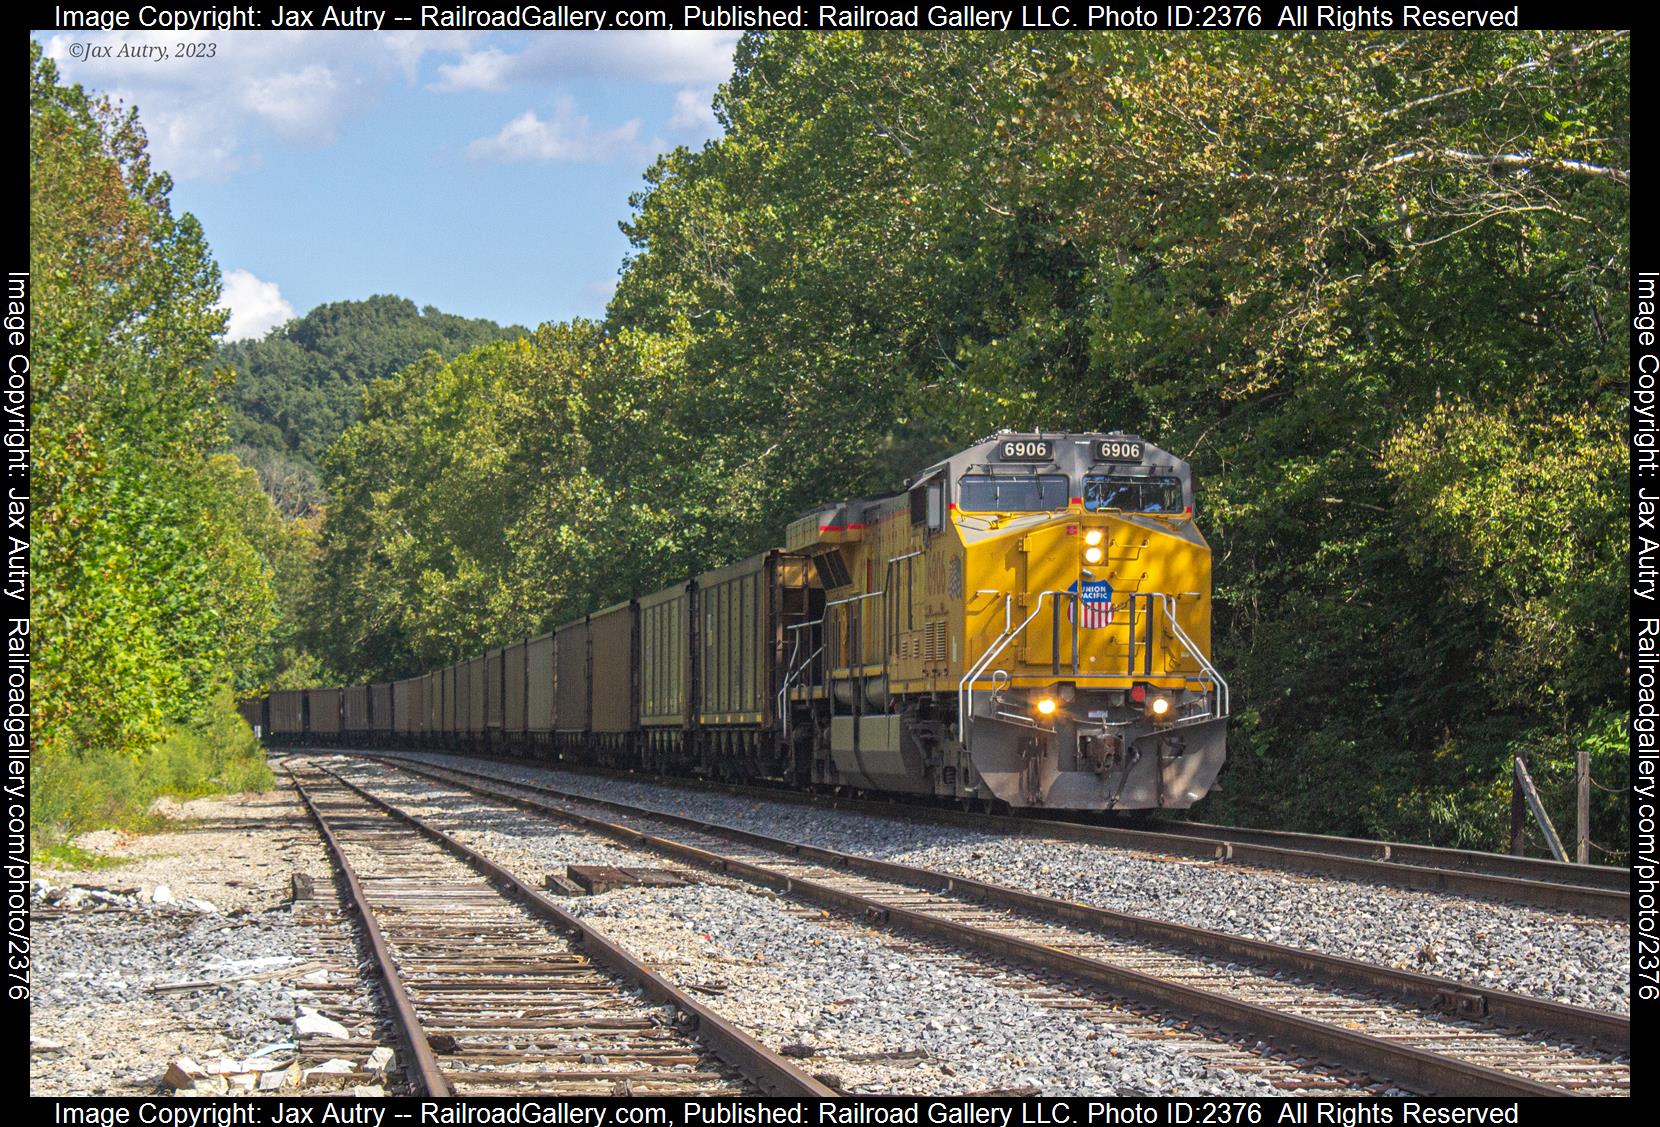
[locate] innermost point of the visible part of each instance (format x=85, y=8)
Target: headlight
x=1093, y=536
x=1046, y=706
x=1093, y=555
x=1159, y=708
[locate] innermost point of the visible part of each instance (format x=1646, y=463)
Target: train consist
x=1027, y=623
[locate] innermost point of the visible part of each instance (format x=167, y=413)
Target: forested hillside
x=1373, y=286
x=298, y=387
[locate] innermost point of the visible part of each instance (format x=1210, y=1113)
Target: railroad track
x=494, y=990
x=1598, y=890
x=1424, y=1033
x=1536, y=870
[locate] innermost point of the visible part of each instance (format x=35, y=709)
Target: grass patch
x=71, y=792
x=63, y=855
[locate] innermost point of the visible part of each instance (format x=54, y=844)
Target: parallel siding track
x=1424, y=1033
x=1599, y=890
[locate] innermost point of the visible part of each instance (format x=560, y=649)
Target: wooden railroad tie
x=595, y=879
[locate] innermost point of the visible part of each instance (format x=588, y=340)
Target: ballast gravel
x=187, y=943
x=873, y=1014
x=1569, y=958
x=99, y=966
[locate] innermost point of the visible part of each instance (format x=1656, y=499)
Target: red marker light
x=1138, y=693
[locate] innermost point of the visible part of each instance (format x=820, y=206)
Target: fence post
x=1582, y=812
x=1537, y=805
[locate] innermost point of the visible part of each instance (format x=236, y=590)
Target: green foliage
x=299, y=386
x=1371, y=285
x=214, y=753
x=465, y=506
x=152, y=559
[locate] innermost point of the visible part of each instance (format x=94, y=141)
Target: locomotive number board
x=1026, y=450
x=1118, y=450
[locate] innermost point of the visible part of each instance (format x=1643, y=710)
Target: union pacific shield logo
x=1095, y=602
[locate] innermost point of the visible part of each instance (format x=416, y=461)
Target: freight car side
x=323, y=708
x=354, y=713
x=613, y=688
x=539, y=669
x=494, y=685
x=447, y=709
x=744, y=614
x=252, y=711
x=286, y=708
x=380, y=710
x=665, y=673
x=571, y=701
x=407, y=710
x=515, y=685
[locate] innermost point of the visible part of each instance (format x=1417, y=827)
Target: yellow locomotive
x=1028, y=622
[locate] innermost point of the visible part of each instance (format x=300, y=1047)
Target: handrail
x=1223, y=701
x=789, y=675
x=791, y=668
x=979, y=666
x=1166, y=600
x=965, y=687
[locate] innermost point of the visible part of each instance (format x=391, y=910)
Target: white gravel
x=99, y=970
x=1565, y=957
x=878, y=1014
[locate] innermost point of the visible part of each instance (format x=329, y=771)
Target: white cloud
x=256, y=306
x=205, y=115
x=680, y=57
x=694, y=111
x=566, y=136
x=302, y=106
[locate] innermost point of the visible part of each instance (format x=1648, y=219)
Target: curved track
x=1428, y=1034
x=496, y=991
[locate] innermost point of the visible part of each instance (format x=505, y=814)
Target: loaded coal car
x=324, y=715
x=408, y=712
x=1026, y=624
x=255, y=713
x=355, y=724
x=285, y=709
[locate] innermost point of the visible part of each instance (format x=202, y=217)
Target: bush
x=74, y=791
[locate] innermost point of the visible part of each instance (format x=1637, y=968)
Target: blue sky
x=480, y=172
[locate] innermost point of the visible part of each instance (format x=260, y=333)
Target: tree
x=151, y=588
x=300, y=385
x=1372, y=286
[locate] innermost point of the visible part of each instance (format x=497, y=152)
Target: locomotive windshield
x=1133, y=494
x=982, y=493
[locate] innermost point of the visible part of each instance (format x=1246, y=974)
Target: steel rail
x=1560, y=894
x=1603, y=1029
x=760, y=1065
x=1611, y=877
x=428, y=1076
x=1406, y=1063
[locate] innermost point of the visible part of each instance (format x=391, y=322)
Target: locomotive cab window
x=983, y=493
x=1133, y=494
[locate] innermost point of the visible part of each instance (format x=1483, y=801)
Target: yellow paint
x=936, y=613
